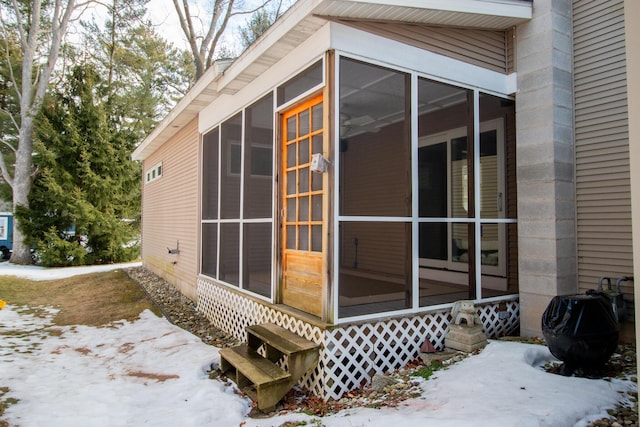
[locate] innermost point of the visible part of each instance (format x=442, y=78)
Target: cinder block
x=465, y=338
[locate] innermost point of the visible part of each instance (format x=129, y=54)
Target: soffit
x=484, y=14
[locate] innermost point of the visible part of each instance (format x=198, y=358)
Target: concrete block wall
x=545, y=161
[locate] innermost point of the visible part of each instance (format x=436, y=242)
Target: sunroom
x=416, y=181
x=357, y=177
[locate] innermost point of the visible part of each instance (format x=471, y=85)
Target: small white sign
x=4, y=228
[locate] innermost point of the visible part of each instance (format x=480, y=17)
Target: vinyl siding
x=170, y=211
x=489, y=49
x=603, y=195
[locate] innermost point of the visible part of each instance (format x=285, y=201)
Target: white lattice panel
x=233, y=312
x=494, y=325
x=351, y=354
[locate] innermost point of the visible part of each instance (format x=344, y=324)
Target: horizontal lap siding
x=488, y=49
x=602, y=143
x=170, y=211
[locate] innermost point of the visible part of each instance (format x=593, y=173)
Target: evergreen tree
x=143, y=75
x=40, y=28
x=81, y=200
x=128, y=79
x=259, y=22
x=9, y=109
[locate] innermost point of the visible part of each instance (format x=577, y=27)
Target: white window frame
x=153, y=173
x=496, y=125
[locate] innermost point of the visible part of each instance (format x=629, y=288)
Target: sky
x=162, y=13
x=150, y=372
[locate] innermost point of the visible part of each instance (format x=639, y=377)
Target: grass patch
x=427, y=371
x=92, y=299
x=5, y=403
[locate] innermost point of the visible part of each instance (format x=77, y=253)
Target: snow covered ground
x=150, y=372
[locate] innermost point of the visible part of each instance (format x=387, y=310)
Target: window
x=375, y=190
x=444, y=198
x=237, y=199
x=153, y=173
x=462, y=194
x=304, y=82
x=210, y=174
x=230, y=134
x=259, y=163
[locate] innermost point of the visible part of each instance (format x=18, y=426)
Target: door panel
x=302, y=216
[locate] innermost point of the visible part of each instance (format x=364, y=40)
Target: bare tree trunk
x=22, y=181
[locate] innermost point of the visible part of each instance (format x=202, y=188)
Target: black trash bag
x=581, y=330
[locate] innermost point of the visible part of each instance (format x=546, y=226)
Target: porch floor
x=365, y=295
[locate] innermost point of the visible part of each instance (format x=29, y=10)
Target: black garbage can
x=580, y=330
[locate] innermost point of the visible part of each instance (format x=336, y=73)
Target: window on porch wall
x=375, y=224
x=238, y=165
x=448, y=213
x=375, y=270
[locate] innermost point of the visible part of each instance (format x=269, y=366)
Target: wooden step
x=264, y=381
x=250, y=364
x=279, y=338
x=301, y=353
x=262, y=378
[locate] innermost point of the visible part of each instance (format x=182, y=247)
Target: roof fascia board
x=394, y=54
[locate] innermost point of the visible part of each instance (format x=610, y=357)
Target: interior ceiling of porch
x=360, y=95
x=305, y=18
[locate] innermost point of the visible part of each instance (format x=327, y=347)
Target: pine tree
x=80, y=203
x=260, y=21
x=128, y=79
x=40, y=28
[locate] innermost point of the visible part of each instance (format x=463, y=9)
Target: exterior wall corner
x=545, y=153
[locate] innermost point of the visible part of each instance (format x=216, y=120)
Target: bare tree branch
x=212, y=43
x=249, y=12
x=12, y=76
x=9, y=145
x=204, y=51
x=13, y=121
x=186, y=23
x=5, y=173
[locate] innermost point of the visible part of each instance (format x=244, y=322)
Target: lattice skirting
x=350, y=354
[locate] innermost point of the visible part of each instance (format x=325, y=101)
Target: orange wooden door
x=302, y=216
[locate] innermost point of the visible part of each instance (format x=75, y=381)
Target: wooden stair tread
x=280, y=338
x=253, y=366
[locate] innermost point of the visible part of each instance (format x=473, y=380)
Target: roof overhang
x=483, y=14
x=301, y=21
